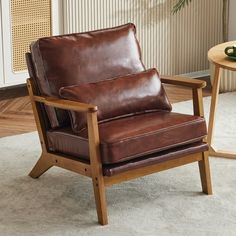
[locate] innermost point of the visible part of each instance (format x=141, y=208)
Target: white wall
x=232, y=20
x=1, y=54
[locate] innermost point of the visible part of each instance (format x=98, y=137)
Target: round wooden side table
x=217, y=56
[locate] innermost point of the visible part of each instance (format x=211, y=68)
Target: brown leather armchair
x=101, y=114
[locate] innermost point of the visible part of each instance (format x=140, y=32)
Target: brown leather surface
x=122, y=96
x=32, y=75
x=113, y=169
x=139, y=135
x=80, y=58
x=131, y=137
x=30, y=66
x=65, y=141
x=171, y=154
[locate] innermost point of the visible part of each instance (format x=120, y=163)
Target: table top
x=218, y=56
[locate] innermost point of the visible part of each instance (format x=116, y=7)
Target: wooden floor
x=16, y=116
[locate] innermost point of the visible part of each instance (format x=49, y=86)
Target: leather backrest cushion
x=118, y=97
x=32, y=75
x=84, y=58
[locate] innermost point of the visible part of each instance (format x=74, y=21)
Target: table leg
x=214, y=101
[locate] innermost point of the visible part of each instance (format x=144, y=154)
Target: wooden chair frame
x=94, y=169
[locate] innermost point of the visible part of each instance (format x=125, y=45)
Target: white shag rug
x=167, y=203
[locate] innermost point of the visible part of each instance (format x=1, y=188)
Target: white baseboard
x=197, y=74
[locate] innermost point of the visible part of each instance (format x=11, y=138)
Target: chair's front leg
x=96, y=168
x=42, y=165
x=205, y=175
x=204, y=167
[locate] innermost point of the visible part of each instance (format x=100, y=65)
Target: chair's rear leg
x=40, y=167
x=205, y=175
x=100, y=199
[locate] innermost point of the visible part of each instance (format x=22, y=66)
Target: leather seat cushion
x=80, y=58
x=152, y=159
x=122, y=96
x=131, y=137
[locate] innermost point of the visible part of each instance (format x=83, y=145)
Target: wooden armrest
x=65, y=104
x=183, y=81
x=196, y=86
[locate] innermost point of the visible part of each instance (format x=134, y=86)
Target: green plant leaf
x=179, y=5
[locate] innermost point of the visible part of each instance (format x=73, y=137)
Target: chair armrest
x=195, y=85
x=65, y=104
x=183, y=81
x=91, y=110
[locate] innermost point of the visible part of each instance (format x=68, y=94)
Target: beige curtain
x=225, y=20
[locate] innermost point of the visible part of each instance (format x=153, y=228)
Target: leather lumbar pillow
x=118, y=97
